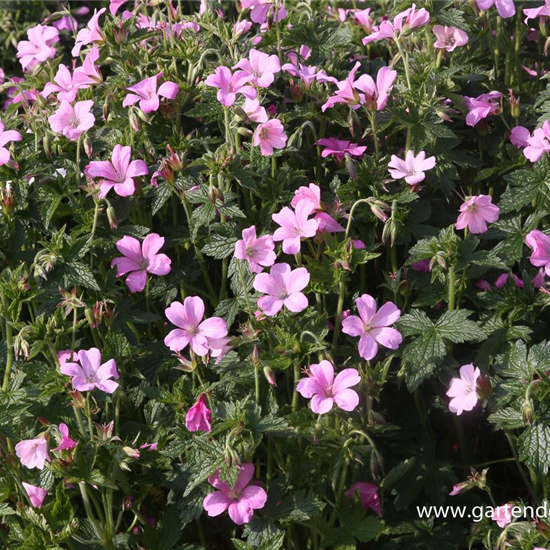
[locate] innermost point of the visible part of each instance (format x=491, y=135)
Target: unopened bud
x=106, y=109
x=111, y=217
x=270, y=376
x=142, y=116
x=88, y=147
x=47, y=144
x=527, y=412
x=78, y=400
x=134, y=453
x=134, y=121
x=484, y=388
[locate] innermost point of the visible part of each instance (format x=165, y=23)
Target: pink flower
x=539, y=243
x=260, y=10
x=36, y=494
x=240, y=500
x=229, y=85
x=254, y=111
x=541, y=11
x=380, y=32
x=88, y=74
x=501, y=281
x=64, y=85
x=38, y=48
x=362, y=18
x=519, y=136
x=373, y=326
x=481, y=107
x=325, y=390
x=66, y=442
x=269, y=135
x=114, y=5
x=198, y=416
x=90, y=373
x=368, y=493
x=502, y=514
x=91, y=33
x=539, y=280
x=241, y=27
x=463, y=390
x=260, y=67
x=118, y=173
x=538, y=143
x=141, y=259
x=192, y=331
x=282, y=287
x=5, y=137
x=412, y=168
x=340, y=148
x=72, y=121
x=259, y=252
x=505, y=8
x=294, y=226
x=311, y=193
x=476, y=212
x=449, y=38
x=421, y=265
x=33, y=453
x=411, y=18
x=147, y=94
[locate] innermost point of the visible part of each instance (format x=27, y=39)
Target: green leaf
x=534, y=448
x=220, y=247
x=456, y=327
x=161, y=194
x=79, y=274
x=241, y=545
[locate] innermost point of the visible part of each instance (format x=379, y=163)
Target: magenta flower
x=241, y=27
x=147, y=94
x=5, y=137
x=258, y=251
x=36, y=494
x=260, y=10
x=340, y=148
x=325, y=390
x=63, y=84
x=502, y=514
x=91, y=33
x=519, y=136
x=119, y=173
x=380, y=32
x=72, y=121
x=449, y=38
x=463, y=390
x=368, y=494
x=501, y=281
x=476, y=212
x=33, y=453
x=282, y=287
x=88, y=74
x=311, y=193
x=192, y=330
x=539, y=243
x=260, y=67
x=412, y=168
x=539, y=143
x=411, y=18
x=141, y=259
x=240, y=500
x=229, y=85
x=269, y=135
x=482, y=106
x=505, y=8
x=38, y=48
x=295, y=226
x=66, y=442
x=541, y=11
x=198, y=416
x=373, y=327
x=114, y=5
x=90, y=373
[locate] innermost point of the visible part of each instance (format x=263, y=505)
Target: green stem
x=451, y=295
x=94, y=227
x=245, y=288
x=9, y=359
x=295, y=400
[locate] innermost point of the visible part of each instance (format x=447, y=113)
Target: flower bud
x=111, y=217
x=47, y=145
x=270, y=376
x=484, y=389
x=88, y=147
x=527, y=412
x=134, y=121
x=143, y=116
x=78, y=400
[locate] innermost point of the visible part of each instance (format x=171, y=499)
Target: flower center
x=74, y=122
x=450, y=41
x=250, y=252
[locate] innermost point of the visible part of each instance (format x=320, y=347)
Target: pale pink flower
x=38, y=48
x=449, y=38
x=88, y=74
x=539, y=279
x=254, y=111
x=463, y=390
x=340, y=148
x=260, y=67
x=91, y=33
x=362, y=18
x=66, y=23
x=229, y=85
x=241, y=27
x=72, y=121
x=482, y=106
x=505, y=8
x=141, y=259
x=539, y=143
x=240, y=500
x=192, y=330
x=63, y=83
x=539, y=243
x=7, y=136
x=311, y=193
x=373, y=327
x=519, y=136
x=114, y=5
x=476, y=212
x=119, y=173
x=380, y=32
x=282, y=287
x=502, y=514
x=308, y=75
x=368, y=494
x=325, y=390
x=147, y=94
x=66, y=442
x=36, y=494
x=541, y=11
x=33, y=453
x=198, y=416
x=269, y=136
x=411, y=18
x=260, y=10
x=91, y=373
x=412, y=168
x=295, y=226
x=258, y=251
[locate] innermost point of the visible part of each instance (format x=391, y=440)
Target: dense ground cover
x=273, y=274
